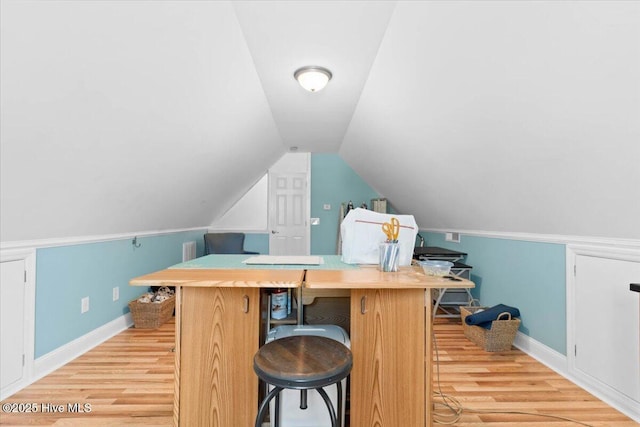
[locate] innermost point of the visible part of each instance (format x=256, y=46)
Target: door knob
x=274, y=232
x=635, y=287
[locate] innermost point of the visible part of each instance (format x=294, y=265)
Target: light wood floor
x=511, y=381
x=128, y=381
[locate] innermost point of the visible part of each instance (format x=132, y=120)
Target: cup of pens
x=389, y=256
x=390, y=249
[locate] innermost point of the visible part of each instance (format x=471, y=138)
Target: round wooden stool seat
x=302, y=362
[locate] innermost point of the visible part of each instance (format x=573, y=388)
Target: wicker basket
x=151, y=315
x=499, y=338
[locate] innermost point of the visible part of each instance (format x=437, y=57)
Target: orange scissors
x=392, y=229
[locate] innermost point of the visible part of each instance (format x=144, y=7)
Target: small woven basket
x=151, y=315
x=499, y=338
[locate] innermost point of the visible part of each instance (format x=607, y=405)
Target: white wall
x=251, y=212
x=506, y=116
x=121, y=117
x=126, y=116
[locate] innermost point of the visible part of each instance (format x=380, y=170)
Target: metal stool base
x=315, y=362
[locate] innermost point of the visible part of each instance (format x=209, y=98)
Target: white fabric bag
x=361, y=233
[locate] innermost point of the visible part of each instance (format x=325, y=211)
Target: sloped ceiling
x=506, y=116
x=123, y=116
x=151, y=115
x=342, y=36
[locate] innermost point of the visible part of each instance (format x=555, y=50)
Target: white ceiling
x=341, y=36
x=506, y=116
x=155, y=115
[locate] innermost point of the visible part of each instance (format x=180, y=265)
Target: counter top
x=231, y=278
x=209, y=272
x=370, y=277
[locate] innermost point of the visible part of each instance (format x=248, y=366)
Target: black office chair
x=225, y=243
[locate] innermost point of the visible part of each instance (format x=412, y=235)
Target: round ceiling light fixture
x=313, y=78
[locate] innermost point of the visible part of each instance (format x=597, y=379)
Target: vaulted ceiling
x=153, y=115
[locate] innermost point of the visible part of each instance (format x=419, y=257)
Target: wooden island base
x=218, y=320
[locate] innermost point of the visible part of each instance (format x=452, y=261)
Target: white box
x=316, y=414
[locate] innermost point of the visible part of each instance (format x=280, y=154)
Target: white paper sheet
x=284, y=260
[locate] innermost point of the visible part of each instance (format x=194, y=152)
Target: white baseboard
x=558, y=362
x=14, y=388
x=543, y=354
x=48, y=363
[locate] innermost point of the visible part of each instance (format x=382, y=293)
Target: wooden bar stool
x=302, y=362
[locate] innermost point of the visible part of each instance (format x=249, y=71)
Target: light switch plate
x=84, y=305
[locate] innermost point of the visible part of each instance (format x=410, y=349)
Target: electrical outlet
x=116, y=293
x=84, y=305
x=326, y=207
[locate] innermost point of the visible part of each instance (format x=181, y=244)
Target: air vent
x=452, y=237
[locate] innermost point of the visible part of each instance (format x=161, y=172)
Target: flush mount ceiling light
x=312, y=78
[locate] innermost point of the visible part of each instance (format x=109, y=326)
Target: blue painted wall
x=66, y=274
x=333, y=182
x=523, y=274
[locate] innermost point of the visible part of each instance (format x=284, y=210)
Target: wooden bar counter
x=217, y=334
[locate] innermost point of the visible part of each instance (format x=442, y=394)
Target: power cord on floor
x=448, y=409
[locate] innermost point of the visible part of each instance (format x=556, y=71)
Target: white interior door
x=607, y=322
x=12, y=322
x=288, y=214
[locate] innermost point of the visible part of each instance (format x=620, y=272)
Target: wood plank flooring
x=128, y=381
x=511, y=381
